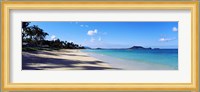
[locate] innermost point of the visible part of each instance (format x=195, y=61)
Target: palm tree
x=25, y=28
x=39, y=34
x=25, y=24
x=30, y=32
x=35, y=36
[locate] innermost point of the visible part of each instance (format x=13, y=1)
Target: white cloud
x=53, y=37
x=92, y=40
x=166, y=39
x=174, y=29
x=99, y=39
x=82, y=25
x=92, y=32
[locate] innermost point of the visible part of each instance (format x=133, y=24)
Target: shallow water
x=144, y=59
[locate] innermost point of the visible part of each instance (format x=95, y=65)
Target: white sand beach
x=65, y=59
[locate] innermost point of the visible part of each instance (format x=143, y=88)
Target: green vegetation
x=33, y=38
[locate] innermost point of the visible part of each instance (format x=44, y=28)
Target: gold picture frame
x=5, y=43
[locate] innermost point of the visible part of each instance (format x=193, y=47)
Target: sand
x=65, y=59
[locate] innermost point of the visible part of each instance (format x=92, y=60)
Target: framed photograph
x=100, y=46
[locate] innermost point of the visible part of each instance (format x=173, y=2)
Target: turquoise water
x=167, y=57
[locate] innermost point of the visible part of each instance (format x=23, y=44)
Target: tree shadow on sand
x=31, y=62
x=74, y=55
x=42, y=52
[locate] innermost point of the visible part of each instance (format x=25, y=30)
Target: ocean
x=138, y=59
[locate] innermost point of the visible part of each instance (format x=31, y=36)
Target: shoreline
x=129, y=65
x=76, y=59
x=64, y=59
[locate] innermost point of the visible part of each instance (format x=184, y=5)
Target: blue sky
x=114, y=34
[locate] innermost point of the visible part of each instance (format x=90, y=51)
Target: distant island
x=133, y=47
x=77, y=46
x=139, y=47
